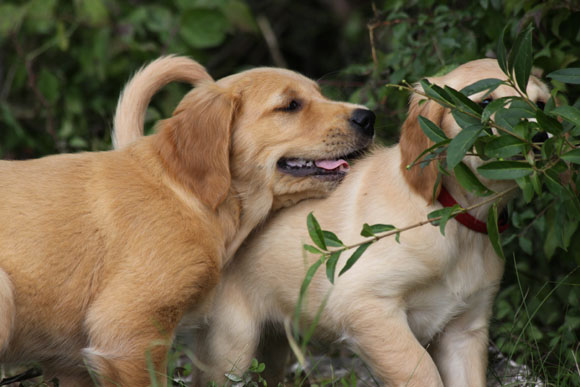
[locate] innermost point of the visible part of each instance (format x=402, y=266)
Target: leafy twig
x=418, y=224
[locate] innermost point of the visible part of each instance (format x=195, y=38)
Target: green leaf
x=461, y=101
x=436, y=92
x=569, y=113
x=331, y=265
x=354, y=257
x=315, y=231
x=493, y=231
x=547, y=123
x=487, y=84
x=503, y=147
x=570, y=75
x=505, y=170
x=204, y=28
x=431, y=150
x=431, y=130
x=465, y=120
x=469, y=181
x=331, y=239
x=461, y=144
x=493, y=107
x=536, y=184
x=311, y=249
x=445, y=213
x=370, y=231
x=573, y=156
x=501, y=52
x=521, y=58
x=308, y=278
x=526, y=186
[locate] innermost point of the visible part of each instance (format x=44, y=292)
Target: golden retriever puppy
x=102, y=253
x=417, y=312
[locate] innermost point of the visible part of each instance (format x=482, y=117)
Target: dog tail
x=133, y=102
x=7, y=309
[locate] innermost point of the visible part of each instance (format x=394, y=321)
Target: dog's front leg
x=230, y=340
x=460, y=351
x=387, y=344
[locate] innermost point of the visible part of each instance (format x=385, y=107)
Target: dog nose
x=364, y=121
x=540, y=137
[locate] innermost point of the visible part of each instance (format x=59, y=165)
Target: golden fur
x=102, y=253
x=417, y=312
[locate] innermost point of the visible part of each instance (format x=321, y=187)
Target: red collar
x=465, y=218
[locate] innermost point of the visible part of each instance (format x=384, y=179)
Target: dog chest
x=432, y=306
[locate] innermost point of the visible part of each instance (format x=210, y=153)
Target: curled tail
x=7, y=309
x=133, y=102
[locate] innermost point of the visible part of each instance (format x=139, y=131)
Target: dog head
x=265, y=130
x=413, y=141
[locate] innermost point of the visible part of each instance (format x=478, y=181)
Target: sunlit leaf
x=311, y=249
x=331, y=239
x=331, y=265
x=354, y=257
x=372, y=230
x=315, y=231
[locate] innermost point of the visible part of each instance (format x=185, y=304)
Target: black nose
x=540, y=137
x=364, y=121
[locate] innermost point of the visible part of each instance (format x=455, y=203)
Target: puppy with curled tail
x=102, y=253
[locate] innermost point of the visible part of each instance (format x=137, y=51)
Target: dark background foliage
x=63, y=64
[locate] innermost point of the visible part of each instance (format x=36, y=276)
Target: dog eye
x=292, y=106
x=485, y=102
x=541, y=105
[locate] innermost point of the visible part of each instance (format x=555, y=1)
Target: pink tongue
x=332, y=164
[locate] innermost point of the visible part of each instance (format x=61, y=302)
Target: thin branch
x=419, y=224
x=271, y=41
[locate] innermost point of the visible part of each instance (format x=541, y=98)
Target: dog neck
x=475, y=218
x=255, y=205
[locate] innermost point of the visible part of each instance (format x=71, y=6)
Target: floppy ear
x=413, y=142
x=194, y=143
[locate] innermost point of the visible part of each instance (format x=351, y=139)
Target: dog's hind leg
x=7, y=309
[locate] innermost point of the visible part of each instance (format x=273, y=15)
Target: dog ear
x=413, y=142
x=194, y=143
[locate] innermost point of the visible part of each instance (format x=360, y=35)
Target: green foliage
x=66, y=63
x=546, y=216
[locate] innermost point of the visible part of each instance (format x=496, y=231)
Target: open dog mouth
x=328, y=169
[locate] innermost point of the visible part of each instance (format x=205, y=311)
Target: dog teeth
x=299, y=163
